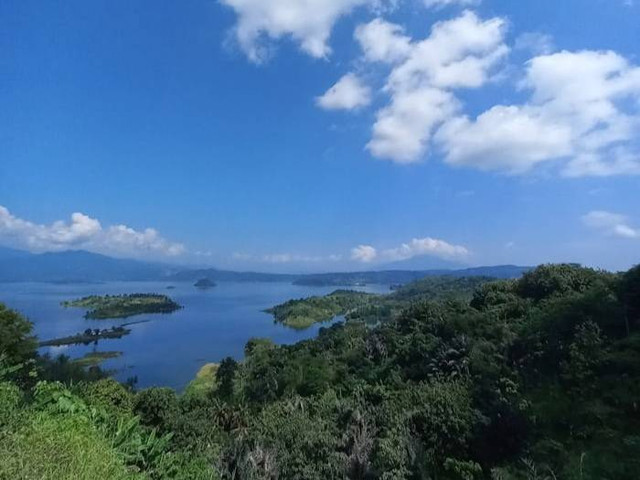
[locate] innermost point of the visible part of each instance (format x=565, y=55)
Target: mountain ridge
x=83, y=266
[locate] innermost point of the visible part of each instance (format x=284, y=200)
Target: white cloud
x=614, y=224
x=84, y=232
x=364, y=253
x=499, y=136
x=576, y=112
x=415, y=248
x=426, y=246
x=445, y=3
x=581, y=111
x=307, y=22
x=403, y=129
x=382, y=41
x=347, y=94
x=459, y=53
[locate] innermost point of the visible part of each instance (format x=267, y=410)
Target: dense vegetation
x=537, y=378
x=123, y=306
x=388, y=277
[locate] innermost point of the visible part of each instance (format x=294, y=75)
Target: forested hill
x=535, y=378
x=341, y=279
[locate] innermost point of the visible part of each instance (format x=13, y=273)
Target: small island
x=303, y=313
x=87, y=337
x=204, y=283
x=93, y=359
x=123, y=306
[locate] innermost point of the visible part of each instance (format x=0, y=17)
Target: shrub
x=157, y=407
x=107, y=394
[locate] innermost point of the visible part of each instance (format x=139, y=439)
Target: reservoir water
x=166, y=349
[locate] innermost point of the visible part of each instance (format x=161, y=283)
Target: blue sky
x=319, y=135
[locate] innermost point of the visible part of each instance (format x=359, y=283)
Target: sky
x=322, y=135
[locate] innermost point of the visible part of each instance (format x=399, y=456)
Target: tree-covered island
x=87, y=337
x=204, y=283
x=304, y=312
x=123, y=306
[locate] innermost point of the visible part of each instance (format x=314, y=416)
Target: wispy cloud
x=84, y=232
x=284, y=258
x=609, y=223
x=446, y=3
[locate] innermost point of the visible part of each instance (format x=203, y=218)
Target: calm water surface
x=167, y=350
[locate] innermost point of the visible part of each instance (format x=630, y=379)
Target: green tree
x=225, y=376
x=17, y=343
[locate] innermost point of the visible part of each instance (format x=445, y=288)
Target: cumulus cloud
x=364, y=253
x=382, y=41
x=584, y=108
x=499, y=136
x=458, y=53
x=580, y=113
x=84, y=232
x=614, y=224
x=403, y=129
x=307, y=22
x=348, y=93
x=415, y=248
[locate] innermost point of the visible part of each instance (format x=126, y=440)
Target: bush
x=107, y=394
x=17, y=344
x=157, y=408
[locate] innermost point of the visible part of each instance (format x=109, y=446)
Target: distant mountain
x=406, y=276
x=10, y=253
x=230, y=276
x=82, y=266
x=75, y=266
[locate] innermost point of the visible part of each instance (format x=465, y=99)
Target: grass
x=205, y=380
x=95, y=358
x=59, y=448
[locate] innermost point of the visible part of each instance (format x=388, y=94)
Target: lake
x=166, y=349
